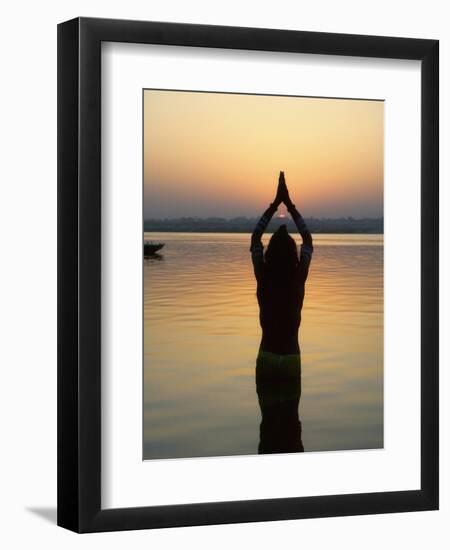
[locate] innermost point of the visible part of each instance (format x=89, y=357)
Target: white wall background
x=28, y=273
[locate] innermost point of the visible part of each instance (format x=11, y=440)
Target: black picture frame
x=79, y=274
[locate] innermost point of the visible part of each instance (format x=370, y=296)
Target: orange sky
x=214, y=154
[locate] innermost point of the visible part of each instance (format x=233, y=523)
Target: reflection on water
x=201, y=337
x=155, y=257
x=278, y=385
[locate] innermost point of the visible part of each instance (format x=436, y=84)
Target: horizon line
x=288, y=218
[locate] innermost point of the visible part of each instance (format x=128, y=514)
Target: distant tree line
x=246, y=225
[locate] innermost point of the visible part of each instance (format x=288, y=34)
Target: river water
x=201, y=338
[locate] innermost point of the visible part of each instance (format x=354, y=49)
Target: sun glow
x=214, y=154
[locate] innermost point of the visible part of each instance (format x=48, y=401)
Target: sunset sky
x=213, y=154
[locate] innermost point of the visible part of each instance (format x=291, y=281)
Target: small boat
x=151, y=248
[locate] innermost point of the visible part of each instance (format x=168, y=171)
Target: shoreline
x=248, y=232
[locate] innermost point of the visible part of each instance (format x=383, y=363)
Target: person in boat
x=281, y=275
x=151, y=248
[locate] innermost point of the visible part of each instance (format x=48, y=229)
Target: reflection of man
x=278, y=385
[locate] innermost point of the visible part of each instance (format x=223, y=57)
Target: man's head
x=281, y=254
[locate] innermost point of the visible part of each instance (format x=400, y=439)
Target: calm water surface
x=201, y=339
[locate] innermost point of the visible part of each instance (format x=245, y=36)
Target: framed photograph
x=247, y=274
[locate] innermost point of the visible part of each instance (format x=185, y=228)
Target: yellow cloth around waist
x=278, y=378
x=275, y=360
